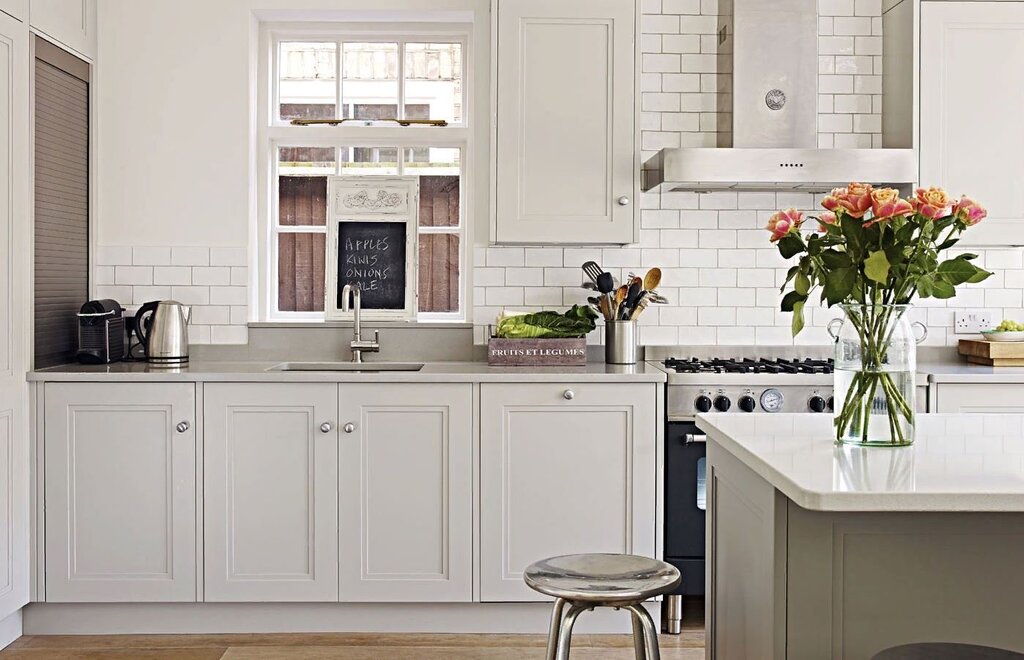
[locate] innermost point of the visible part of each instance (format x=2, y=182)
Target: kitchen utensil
x=620, y=297
x=162, y=328
x=592, y=270
x=605, y=307
x=605, y=282
x=652, y=279
x=631, y=297
x=641, y=305
x=589, y=286
x=656, y=298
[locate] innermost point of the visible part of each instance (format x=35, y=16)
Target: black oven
x=685, y=504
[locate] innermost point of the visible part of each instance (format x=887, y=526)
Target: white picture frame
x=373, y=199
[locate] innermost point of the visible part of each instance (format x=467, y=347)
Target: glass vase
x=875, y=374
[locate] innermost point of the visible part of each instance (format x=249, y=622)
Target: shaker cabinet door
x=563, y=469
x=271, y=491
x=564, y=155
x=120, y=492
x=971, y=133
x=406, y=492
x=71, y=22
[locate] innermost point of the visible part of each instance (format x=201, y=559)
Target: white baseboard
x=196, y=618
x=10, y=629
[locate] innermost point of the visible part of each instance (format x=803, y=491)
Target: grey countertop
x=433, y=372
x=956, y=371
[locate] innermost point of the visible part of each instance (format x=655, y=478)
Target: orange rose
x=933, y=203
x=784, y=222
x=886, y=203
x=854, y=200
x=969, y=211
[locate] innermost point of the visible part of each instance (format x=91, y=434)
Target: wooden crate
x=993, y=353
x=537, y=352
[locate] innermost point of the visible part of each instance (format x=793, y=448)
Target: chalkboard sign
x=372, y=242
x=372, y=255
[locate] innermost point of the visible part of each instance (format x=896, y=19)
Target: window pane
x=439, y=201
x=305, y=160
x=369, y=88
x=439, y=273
x=369, y=160
x=300, y=272
x=433, y=81
x=308, y=80
x=432, y=160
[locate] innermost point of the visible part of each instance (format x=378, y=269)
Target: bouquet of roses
x=876, y=250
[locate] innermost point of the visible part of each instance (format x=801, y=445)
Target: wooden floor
x=343, y=646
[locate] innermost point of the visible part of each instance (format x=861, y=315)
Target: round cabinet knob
x=349, y=428
x=816, y=404
x=568, y=395
x=702, y=403
x=326, y=427
x=747, y=403
x=831, y=404
x=182, y=427
x=623, y=201
x=722, y=403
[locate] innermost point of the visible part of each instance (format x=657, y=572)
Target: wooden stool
x=601, y=580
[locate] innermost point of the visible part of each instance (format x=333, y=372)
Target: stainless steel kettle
x=162, y=327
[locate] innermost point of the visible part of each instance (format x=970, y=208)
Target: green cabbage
x=575, y=322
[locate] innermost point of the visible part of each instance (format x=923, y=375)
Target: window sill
x=366, y=322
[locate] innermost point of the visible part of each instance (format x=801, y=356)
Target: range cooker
x=746, y=381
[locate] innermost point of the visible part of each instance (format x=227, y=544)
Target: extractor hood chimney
x=767, y=133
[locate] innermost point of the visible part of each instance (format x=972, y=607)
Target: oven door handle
x=690, y=438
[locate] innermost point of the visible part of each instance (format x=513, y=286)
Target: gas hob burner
x=750, y=366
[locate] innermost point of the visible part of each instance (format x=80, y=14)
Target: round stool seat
x=602, y=578
x=946, y=651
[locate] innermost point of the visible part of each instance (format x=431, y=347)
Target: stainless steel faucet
x=358, y=345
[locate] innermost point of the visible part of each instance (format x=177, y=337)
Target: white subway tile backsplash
x=211, y=276
x=227, y=295
x=133, y=275
x=151, y=256
x=190, y=256
x=191, y=295
x=168, y=275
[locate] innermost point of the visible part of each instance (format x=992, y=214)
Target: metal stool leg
x=565, y=634
x=650, y=632
x=639, y=651
x=556, y=622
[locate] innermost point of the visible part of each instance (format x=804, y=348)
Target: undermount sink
x=347, y=366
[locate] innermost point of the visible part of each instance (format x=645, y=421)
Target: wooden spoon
x=605, y=308
x=620, y=297
x=652, y=279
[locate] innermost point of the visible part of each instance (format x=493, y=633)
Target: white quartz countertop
x=959, y=462
x=436, y=372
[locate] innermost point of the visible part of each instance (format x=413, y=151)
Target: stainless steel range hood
x=767, y=134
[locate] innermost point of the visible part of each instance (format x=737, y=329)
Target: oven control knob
x=702, y=403
x=747, y=403
x=722, y=403
x=831, y=404
x=816, y=404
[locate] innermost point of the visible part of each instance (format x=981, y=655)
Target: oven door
x=685, y=504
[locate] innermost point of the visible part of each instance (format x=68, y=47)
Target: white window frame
x=272, y=133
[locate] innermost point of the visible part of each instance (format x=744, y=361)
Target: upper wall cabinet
x=565, y=163
x=71, y=22
x=971, y=135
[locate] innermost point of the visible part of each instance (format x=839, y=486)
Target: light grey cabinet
x=564, y=156
x=978, y=398
x=69, y=22
x=271, y=491
x=15, y=8
x=120, y=492
x=406, y=490
x=563, y=469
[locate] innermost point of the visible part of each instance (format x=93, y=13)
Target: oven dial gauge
x=772, y=400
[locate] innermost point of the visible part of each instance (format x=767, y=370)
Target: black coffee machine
x=101, y=337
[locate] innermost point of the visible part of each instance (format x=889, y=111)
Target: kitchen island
x=824, y=551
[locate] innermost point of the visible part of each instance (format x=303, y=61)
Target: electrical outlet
x=973, y=321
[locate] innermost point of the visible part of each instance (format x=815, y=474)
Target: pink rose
x=886, y=203
x=784, y=222
x=827, y=218
x=854, y=200
x=933, y=203
x=969, y=211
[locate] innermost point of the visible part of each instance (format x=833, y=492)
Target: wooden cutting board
x=993, y=353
